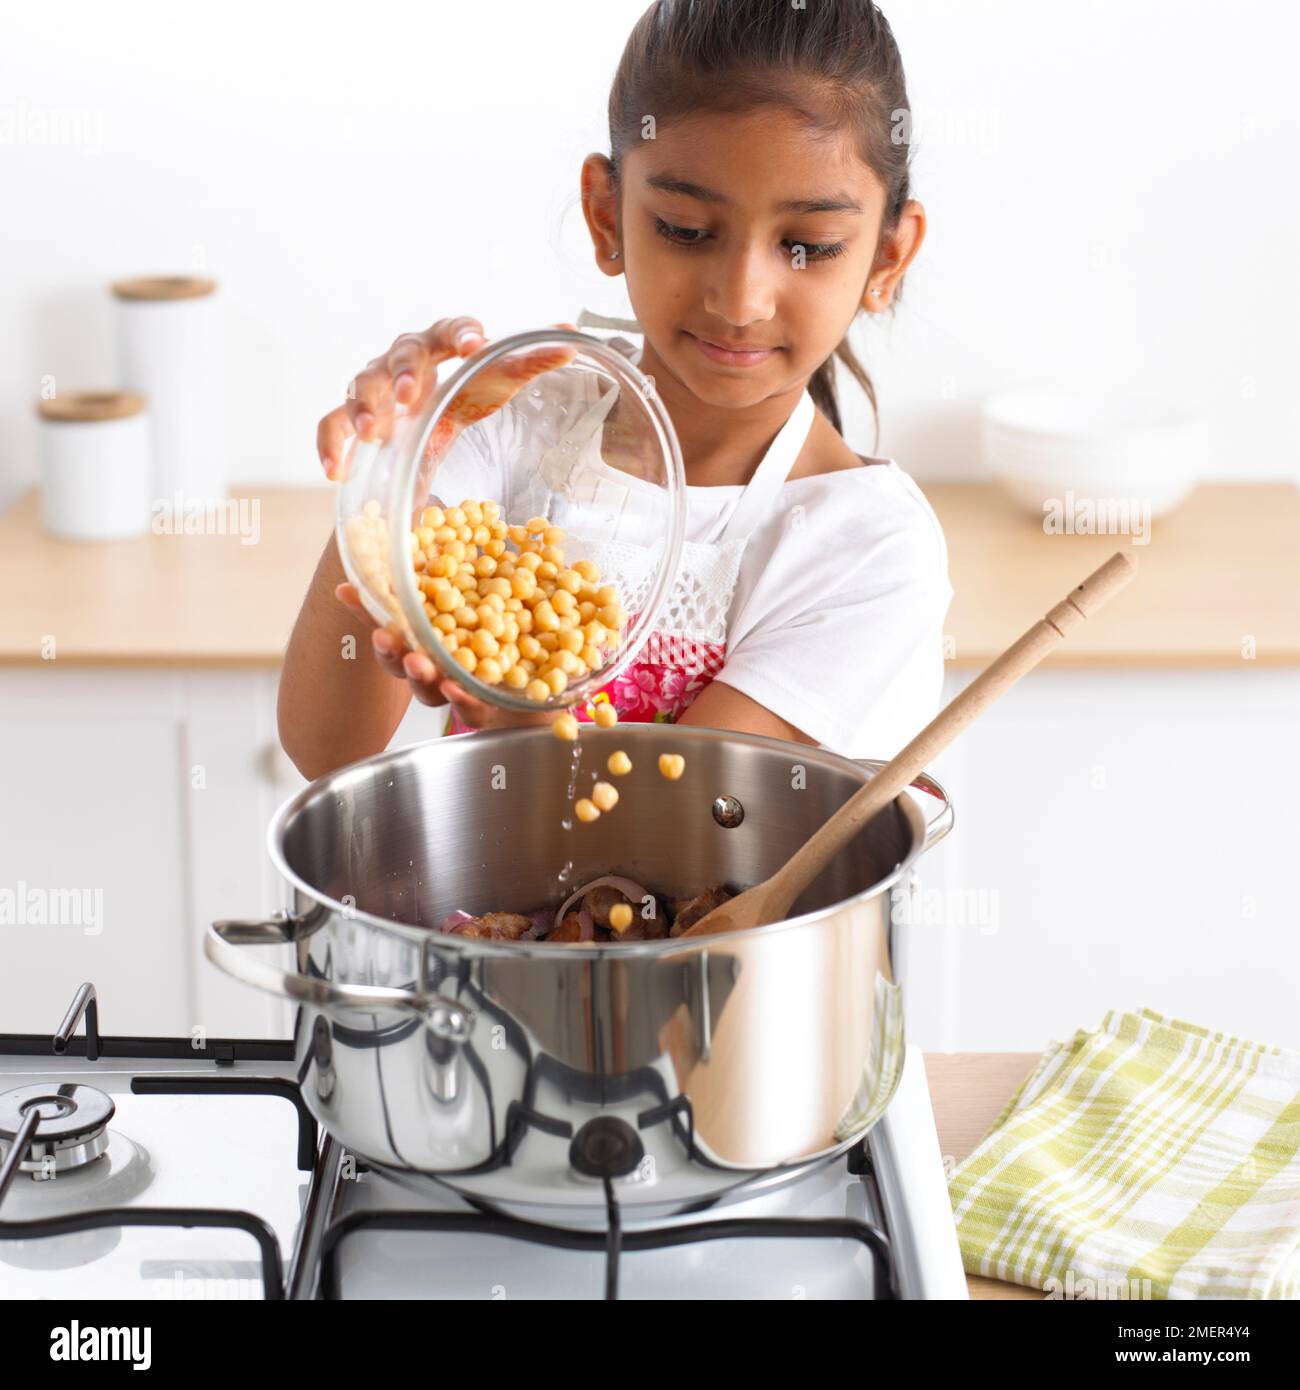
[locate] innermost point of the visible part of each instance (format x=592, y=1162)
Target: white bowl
x=1041, y=445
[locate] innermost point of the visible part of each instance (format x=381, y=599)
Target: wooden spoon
x=770, y=900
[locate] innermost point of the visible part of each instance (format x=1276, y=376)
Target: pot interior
x=476, y=821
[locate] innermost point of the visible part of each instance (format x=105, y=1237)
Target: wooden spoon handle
x=812, y=857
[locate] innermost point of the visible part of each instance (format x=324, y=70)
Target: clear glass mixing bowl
x=550, y=426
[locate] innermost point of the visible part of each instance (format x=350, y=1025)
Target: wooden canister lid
x=164, y=287
x=79, y=406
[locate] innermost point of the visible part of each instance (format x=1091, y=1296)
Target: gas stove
x=152, y=1168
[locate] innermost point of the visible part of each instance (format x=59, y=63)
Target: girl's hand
x=427, y=682
x=404, y=375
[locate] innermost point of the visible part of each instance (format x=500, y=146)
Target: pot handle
x=937, y=828
x=444, y=1018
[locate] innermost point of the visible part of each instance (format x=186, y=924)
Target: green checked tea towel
x=1148, y=1159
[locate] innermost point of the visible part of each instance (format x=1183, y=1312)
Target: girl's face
x=749, y=243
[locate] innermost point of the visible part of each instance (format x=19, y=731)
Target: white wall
x=1112, y=195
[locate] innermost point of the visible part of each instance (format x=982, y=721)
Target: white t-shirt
x=836, y=621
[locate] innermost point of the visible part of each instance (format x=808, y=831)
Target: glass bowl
x=548, y=452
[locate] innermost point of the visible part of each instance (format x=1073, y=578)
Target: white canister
x=96, y=466
x=170, y=346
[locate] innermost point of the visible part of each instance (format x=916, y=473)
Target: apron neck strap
x=773, y=469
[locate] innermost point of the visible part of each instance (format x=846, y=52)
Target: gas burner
x=606, y=1147
x=73, y=1129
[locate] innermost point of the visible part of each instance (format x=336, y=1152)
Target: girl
x=756, y=200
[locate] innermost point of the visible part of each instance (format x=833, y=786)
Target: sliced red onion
x=588, y=927
x=543, y=925
x=628, y=887
x=456, y=919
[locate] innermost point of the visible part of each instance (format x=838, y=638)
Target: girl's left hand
x=426, y=680
x=473, y=713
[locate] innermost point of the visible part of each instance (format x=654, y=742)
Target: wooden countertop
x=967, y=1091
x=1224, y=566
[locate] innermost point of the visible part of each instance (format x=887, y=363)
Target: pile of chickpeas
x=519, y=617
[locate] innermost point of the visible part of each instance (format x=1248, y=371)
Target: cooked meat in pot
x=610, y=909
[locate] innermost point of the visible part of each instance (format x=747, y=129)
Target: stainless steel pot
x=525, y=1074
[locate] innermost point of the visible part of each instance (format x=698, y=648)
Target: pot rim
x=515, y=950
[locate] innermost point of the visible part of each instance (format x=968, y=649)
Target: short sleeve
x=846, y=643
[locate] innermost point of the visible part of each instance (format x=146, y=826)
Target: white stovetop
x=240, y=1151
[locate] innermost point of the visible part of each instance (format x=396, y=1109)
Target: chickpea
x=466, y=617
x=565, y=726
x=605, y=796
x=586, y=570
x=432, y=516
x=489, y=671
x=605, y=715
x=570, y=639
x=455, y=516
x=611, y=616
x=564, y=603
x=586, y=810
x=529, y=647
x=606, y=595
x=570, y=581
x=671, y=765
x=590, y=658
x=485, y=567
x=620, y=916
x=537, y=526
x=447, y=600
x=517, y=534
x=538, y=690
x=445, y=622
x=466, y=658
x=557, y=680
x=545, y=617
x=516, y=677
x=619, y=763
x=484, y=644
x=547, y=569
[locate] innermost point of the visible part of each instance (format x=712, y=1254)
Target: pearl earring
x=875, y=294
x=614, y=255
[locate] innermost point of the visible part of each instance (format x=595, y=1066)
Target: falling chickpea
x=619, y=763
x=671, y=765
x=620, y=917
x=586, y=810
x=565, y=726
x=605, y=796
x=605, y=715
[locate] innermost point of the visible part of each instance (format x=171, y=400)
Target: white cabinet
x=1123, y=839
x=134, y=813
x=144, y=794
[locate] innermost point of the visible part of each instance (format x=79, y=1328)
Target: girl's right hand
x=404, y=375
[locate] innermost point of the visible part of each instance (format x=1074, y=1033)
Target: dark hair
x=834, y=62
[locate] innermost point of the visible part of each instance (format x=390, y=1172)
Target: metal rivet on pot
x=728, y=812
